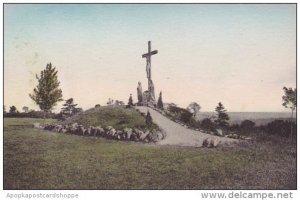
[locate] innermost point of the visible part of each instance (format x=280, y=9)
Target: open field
x=36, y=159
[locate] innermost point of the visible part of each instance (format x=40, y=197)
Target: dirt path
x=179, y=135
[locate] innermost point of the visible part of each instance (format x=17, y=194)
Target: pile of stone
x=127, y=134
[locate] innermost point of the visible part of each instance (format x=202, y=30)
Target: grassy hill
x=118, y=117
x=37, y=159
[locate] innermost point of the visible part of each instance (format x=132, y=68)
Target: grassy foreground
x=36, y=159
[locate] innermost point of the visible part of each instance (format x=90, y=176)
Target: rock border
x=109, y=132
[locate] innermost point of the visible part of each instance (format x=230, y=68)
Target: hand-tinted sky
x=241, y=54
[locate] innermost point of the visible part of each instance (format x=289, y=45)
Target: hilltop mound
x=118, y=117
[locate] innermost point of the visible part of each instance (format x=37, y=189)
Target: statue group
x=147, y=98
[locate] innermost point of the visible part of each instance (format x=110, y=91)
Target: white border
x=129, y=194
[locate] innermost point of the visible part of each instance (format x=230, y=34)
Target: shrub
x=247, y=125
x=174, y=109
x=234, y=127
x=207, y=124
x=280, y=127
x=179, y=113
x=149, y=121
x=186, y=116
x=194, y=123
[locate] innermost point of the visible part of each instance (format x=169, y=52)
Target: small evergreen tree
x=47, y=93
x=160, y=104
x=222, y=116
x=149, y=121
x=69, y=108
x=130, y=101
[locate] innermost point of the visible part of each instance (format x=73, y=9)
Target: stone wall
x=109, y=132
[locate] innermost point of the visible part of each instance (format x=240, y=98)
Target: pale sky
x=241, y=55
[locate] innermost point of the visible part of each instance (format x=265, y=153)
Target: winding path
x=179, y=135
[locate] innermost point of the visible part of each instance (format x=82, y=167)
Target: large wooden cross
x=148, y=58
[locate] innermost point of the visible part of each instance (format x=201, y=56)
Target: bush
x=179, y=114
x=185, y=116
x=194, y=123
x=280, y=127
x=207, y=124
x=247, y=125
x=234, y=127
x=149, y=121
x=174, y=109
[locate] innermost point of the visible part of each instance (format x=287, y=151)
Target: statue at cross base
x=148, y=97
x=140, y=94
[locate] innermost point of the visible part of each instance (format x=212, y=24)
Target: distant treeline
x=33, y=114
x=260, y=118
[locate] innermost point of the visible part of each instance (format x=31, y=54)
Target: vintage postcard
x=149, y=96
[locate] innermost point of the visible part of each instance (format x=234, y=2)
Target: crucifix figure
x=148, y=59
x=150, y=95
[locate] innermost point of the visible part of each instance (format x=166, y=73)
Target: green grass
x=118, y=117
x=36, y=159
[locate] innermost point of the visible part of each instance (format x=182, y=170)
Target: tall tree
x=222, y=116
x=47, y=93
x=290, y=101
x=130, y=101
x=160, y=103
x=194, y=108
x=69, y=108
